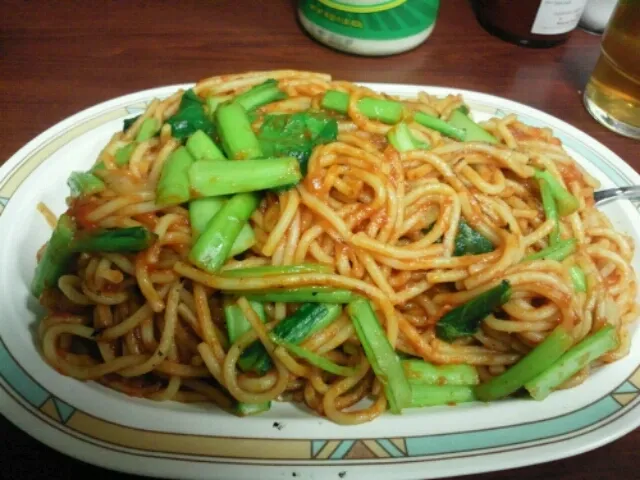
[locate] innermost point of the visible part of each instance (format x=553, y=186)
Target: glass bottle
x=369, y=27
x=531, y=23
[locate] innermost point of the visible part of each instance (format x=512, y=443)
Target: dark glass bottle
x=531, y=23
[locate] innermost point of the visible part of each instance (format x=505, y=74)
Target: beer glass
x=612, y=95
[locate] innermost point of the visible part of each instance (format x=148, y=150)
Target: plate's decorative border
x=55, y=412
x=211, y=449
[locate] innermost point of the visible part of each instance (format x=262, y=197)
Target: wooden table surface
x=58, y=58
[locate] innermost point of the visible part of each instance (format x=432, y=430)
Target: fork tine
x=631, y=192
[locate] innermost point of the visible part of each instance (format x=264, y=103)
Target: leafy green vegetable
x=578, y=357
x=246, y=409
x=202, y=210
x=321, y=294
x=565, y=201
x=439, y=125
x=202, y=147
x=301, y=324
x=238, y=139
x=557, y=252
x=212, y=179
x=269, y=270
x=578, y=278
x=473, y=131
x=424, y=373
x=56, y=256
x=550, y=210
x=148, y=129
x=173, y=187
x=123, y=154
x=386, y=111
x=296, y=134
x=211, y=104
x=314, y=359
x=238, y=325
x=470, y=242
x=403, y=140
x=214, y=244
x=432, y=395
x=259, y=95
x=528, y=367
x=381, y=355
x=123, y=240
x=127, y=122
x=190, y=117
x=465, y=319
x=84, y=183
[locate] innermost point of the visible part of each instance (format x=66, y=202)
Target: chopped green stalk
x=121, y=157
x=202, y=147
x=566, y=202
x=465, y=319
x=550, y=210
x=386, y=111
x=271, y=270
x=84, y=183
x=56, y=256
x=530, y=366
x=301, y=294
x=123, y=154
x=202, y=210
x=213, y=246
x=121, y=240
x=260, y=95
x=148, y=129
x=238, y=325
x=381, y=355
x=472, y=131
x=439, y=125
x=470, y=242
x=247, y=409
x=212, y=179
x=558, y=252
x=403, y=140
x=578, y=278
x=212, y=104
x=313, y=358
x=424, y=373
x=238, y=140
x=173, y=186
x=432, y=395
x=578, y=357
x=304, y=322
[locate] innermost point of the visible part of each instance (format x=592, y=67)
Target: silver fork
x=631, y=192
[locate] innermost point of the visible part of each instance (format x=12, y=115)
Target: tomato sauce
x=80, y=208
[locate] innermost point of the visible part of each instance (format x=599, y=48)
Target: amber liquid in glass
x=612, y=95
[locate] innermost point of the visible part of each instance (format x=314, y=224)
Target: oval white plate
x=106, y=428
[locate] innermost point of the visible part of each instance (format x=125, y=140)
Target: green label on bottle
x=363, y=6
x=372, y=20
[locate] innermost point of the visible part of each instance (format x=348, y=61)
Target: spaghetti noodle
x=383, y=224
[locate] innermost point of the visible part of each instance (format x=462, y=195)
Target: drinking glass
x=612, y=95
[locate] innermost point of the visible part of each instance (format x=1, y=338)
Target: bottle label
x=362, y=6
x=556, y=17
x=371, y=19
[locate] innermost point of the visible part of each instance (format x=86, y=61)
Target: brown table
x=57, y=58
